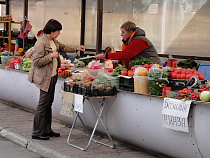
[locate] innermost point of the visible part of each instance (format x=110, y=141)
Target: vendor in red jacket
x=134, y=47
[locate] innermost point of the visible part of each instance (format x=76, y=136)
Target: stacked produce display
x=146, y=78
x=88, y=76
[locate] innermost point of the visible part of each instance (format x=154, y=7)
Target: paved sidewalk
x=16, y=125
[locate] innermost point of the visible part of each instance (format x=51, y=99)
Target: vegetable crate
x=87, y=91
x=126, y=83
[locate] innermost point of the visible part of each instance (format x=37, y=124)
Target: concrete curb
x=33, y=146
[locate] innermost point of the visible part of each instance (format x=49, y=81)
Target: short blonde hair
x=128, y=26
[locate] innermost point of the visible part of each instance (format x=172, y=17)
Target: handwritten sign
x=153, y=9
x=175, y=113
x=78, y=103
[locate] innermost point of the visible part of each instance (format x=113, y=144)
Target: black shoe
x=42, y=137
x=53, y=134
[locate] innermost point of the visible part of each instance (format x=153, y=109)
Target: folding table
x=98, y=113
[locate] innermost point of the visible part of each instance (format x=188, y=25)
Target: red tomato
x=130, y=73
x=59, y=72
x=179, y=71
x=201, y=76
x=133, y=68
x=62, y=68
x=124, y=73
x=146, y=66
x=185, y=89
x=188, y=76
x=189, y=91
x=194, y=70
x=189, y=71
x=183, y=71
x=178, y=76
x=195, y=73
x=183, y=76
x=172, y=69
x=173, y=75
x=150, y=65
x=109, y=69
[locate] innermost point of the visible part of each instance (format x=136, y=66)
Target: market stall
x=128, y=110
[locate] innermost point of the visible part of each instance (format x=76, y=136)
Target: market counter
x=130, y=117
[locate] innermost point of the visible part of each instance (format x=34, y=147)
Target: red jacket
x=131, y=50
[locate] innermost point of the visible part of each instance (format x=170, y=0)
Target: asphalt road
x=11, y=150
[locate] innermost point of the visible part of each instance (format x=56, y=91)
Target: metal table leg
x=92, y=134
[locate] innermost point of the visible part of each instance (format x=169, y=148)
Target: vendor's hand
x=54, y=55
x=81, y=48
x=99, y=56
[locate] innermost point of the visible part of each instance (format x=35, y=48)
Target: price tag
x=78, y=103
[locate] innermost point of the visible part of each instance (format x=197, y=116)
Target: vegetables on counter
x=78, y=64
x=117, y=70
x=26, y=64
x=205, y=96
x=140, y=62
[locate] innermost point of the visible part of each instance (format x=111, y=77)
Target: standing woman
x=43, y=74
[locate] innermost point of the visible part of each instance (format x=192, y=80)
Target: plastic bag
x=103, y=77
x=94, y=64
x=155, y=72
x=140, y=71
x=108, y=64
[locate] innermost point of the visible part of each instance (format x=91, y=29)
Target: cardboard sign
x=67, y=104
x=175, y=113
x=78, y=103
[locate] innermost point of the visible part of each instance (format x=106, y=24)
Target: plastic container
x=4, y=59
x=115, y=63
x=169, y=62
x=17, y=66
x=126, y=83
x=168, y=89
x=92, y=73
x=174, y=63
x=76, y=76
x=115, y=82
x=141, y=84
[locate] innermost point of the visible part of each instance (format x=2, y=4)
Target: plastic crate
x=4, y=59
x=204, y=68
x=126, y=83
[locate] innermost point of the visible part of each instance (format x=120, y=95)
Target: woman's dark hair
x=52, y=26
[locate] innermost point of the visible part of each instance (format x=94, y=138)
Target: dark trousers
x=43, y=113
